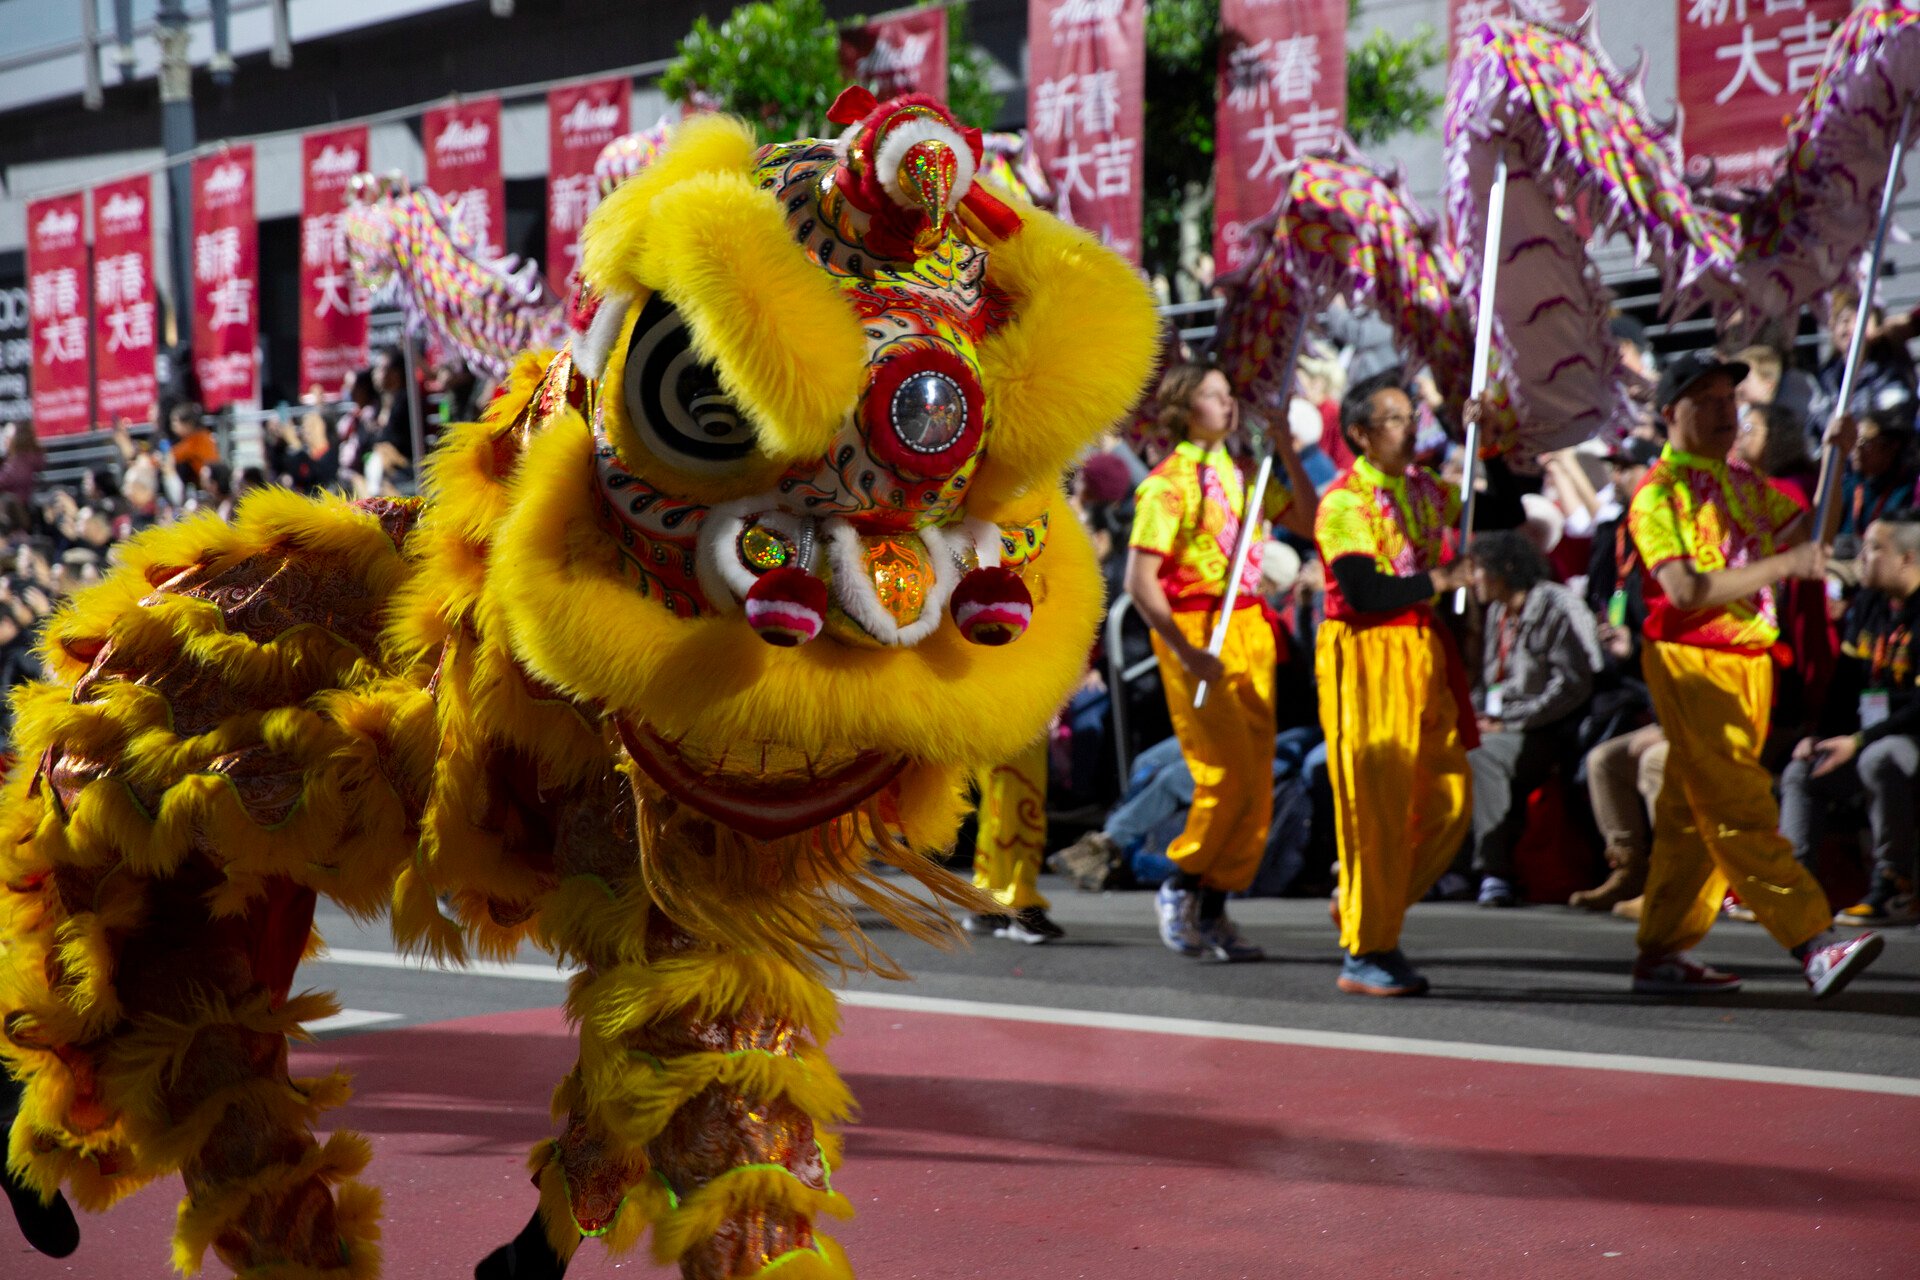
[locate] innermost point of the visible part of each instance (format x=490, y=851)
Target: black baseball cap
x=1686, y=369
x=1634, y=451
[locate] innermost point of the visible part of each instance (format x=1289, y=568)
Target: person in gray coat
x=1541, y=652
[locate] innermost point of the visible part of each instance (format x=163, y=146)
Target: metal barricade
x=1119, y=676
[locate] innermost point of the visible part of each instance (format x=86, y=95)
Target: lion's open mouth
x=766, y=790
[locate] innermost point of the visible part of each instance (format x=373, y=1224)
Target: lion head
x=803, y=536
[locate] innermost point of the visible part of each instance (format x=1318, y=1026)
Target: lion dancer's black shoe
x=47, y=1225
x=528, y=1257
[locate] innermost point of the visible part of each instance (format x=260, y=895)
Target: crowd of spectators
x=60, y=537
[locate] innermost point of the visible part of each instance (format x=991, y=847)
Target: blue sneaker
x=1178, y=910
x=1380, y=973
x=1222, y=938
x=1495, y=892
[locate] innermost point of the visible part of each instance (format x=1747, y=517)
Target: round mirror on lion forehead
x=929, y=412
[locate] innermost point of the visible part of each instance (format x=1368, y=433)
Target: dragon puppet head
x=797, y=525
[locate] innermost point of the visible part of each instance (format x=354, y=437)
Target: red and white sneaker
x=1832, y=966
x=1679, y=975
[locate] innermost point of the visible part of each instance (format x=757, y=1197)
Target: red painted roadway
x=1014, y=1150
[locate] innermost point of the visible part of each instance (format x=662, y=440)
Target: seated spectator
x=20, y=472
x=1540, y=657
x=1881, y=479
x=303, y=457
x=1874, y=750
x=192, y=446
x=1885, y=380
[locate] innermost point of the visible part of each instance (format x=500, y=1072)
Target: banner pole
x=1482, y=356
x=1831, y=464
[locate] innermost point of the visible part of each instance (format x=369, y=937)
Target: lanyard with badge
x=1892, y=658
x=1626, y=559
x=1496, y=688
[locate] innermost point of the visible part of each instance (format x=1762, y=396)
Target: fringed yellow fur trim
x=1072, y=361
x=785, y=342
x=737, y=1191
x=204, y=1216
x=825, y=1261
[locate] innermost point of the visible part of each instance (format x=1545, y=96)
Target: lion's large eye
x=674, y=398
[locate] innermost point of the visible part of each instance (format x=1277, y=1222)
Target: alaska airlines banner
x=57, y=312
x=1744, y=65
x=581, y=120
x=1282, y=91
x=124, y=303
x=903, y=53
x=462, y=142
x=226, y=278
x=1086, y=76
x=333, y=309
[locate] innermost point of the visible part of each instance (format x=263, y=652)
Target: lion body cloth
x=719, y=607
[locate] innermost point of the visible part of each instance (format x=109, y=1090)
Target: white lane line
x=1296, y=1037
x=348, y=1019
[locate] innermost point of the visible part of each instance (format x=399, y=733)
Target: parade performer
x=1008, y=848
x=821, y=395
x=1715, y=540
x=1394, y=698
x=1187, y=516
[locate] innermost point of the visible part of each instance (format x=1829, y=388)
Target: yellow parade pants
x=1402, y=791
x=1716, y=822
x=1229, y=749
x=1013, y=830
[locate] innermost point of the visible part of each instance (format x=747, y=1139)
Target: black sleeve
x=1500, y=506
x=1603, y=570
x=1903, y=719
x=1370, y=591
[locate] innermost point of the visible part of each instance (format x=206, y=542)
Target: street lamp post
x=177, y=140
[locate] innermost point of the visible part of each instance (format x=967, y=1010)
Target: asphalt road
x=1544, y=978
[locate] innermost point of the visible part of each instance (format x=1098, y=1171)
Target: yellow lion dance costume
x=825, y=400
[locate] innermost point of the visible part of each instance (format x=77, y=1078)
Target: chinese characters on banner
x=1465, y=15
x=1282, y=91
x=581, y=120
x=57, y=310
x=123, y=302
x=1744, y=65
x=333, y=309
x=1086, y=79
x=226, y=277
x=462, y=142
x=906, y=53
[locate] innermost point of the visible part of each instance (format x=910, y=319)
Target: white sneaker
x=1679, y=975
x=1179, y=910
x=1835, y=961
x=1222, y=938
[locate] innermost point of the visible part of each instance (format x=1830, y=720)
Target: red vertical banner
x=124, y=305
x=462, y=142
x=1282, y=92
x=1465, y=15
x=581, y=120
x=57, y=309
x=906, y=53
x=1743, y=67
x=1086, y=81
x=333, y=308
x=226, y=278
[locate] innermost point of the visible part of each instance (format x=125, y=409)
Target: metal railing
x=1120, y=674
